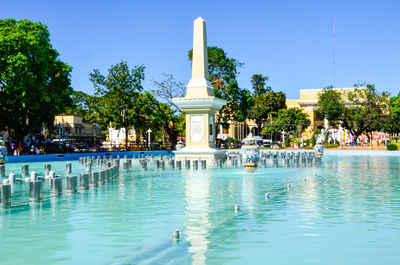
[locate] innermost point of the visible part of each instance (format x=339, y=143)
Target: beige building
x=77, y=129
x=307, y=102
x=238, y=130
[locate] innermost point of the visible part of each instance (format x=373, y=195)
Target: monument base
x=209, y=154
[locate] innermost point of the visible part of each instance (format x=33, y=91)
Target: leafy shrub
x=287, y=141
x=331, y=146
x=392, y=147
x=298, y=141
x=314, y=140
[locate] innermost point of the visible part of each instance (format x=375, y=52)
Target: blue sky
x=289, y=41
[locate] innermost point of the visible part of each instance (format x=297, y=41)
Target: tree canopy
x=223, y=72
x=118, y=93
x=34, y=83
x=395, y=105
x=80, y=105
x=258, y=83
x=362, y=110
x=264, y=101
x=330, y=105
x=289, y=120
x=119, y=100
x=164, y=116
x=167, y=121
x=366, y=111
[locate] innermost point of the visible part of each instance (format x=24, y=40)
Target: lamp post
x=148, y=137
x=123, y=113
x=270, y=123
x=94, y=134
x=59, y=135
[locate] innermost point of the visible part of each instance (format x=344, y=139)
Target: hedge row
x=392, y=147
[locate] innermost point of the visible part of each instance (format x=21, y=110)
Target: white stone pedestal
x=210, y=155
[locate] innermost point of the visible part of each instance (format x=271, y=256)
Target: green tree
x=331, y=105
x=150, y=113
x=360, y=111
x=258, y=83
x=223, y=72
x=117, y=94
x=395, y=105
x=390, y=124
x=34, y=83
x=290, y=120
x=243, y=106
x=164, y=117
x=365, y=108
x=264, y=101
x=143, y=113
x=80, y=105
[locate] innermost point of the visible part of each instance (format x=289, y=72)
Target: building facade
x=307, y=103
x=76, y=129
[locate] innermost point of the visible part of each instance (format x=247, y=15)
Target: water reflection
x=308, y=202
x=248, y=192
x=197, y=188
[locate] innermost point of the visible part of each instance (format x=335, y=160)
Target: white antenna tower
x=333, y=53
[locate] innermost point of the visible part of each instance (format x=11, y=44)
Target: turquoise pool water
x=344, y=211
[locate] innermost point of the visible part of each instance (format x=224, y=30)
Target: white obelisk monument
x=200, y=104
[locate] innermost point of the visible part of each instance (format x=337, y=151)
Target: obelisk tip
x=199, y=19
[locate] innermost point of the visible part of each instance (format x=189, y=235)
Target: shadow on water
x=169, y=252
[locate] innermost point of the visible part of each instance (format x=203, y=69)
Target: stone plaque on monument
x=197, y=128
